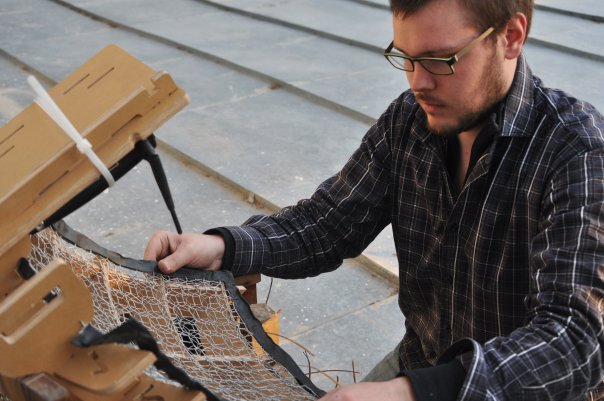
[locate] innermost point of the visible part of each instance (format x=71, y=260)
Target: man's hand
x=399, y=389
x=173, y=251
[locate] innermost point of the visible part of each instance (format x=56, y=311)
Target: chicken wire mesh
x=197, y=318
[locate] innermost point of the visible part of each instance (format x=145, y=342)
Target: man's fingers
x=159, y=245
x=173, y=251
x=163, y=246
x=173, y=262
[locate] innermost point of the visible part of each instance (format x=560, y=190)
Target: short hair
x=485, y=13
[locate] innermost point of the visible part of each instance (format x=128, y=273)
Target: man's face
x=459, y=102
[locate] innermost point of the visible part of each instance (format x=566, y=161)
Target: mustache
x=427, y=98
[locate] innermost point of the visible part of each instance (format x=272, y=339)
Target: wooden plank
x=249, y=282
x=113, y=100
x=9, y=278
x=42, y=387
x=35, y=331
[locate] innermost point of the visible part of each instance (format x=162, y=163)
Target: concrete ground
x=281, y=93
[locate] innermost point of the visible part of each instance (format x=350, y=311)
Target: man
x=494, y=185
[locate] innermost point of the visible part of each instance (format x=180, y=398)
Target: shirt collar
x=518, y=110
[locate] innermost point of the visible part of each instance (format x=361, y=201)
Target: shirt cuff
x=229, y=246
x=441, y=382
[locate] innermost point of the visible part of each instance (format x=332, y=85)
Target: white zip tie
x=45, y=102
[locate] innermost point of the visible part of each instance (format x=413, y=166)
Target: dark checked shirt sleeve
x=342, y=217
x=506, y=276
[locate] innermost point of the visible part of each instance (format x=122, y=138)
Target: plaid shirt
x=507, y=276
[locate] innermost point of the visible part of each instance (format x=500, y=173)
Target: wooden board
x=113, y=100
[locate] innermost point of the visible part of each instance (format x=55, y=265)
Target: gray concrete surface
x=591, y=8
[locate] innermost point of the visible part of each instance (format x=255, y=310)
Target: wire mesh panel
x=198, y=319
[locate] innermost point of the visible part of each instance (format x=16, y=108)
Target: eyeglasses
x=434, y=65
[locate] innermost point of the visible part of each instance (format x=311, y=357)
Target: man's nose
x=420, y=79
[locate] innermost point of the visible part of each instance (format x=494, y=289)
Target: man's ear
x=515, y=35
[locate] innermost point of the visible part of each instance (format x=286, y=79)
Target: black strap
x=143, y=150
x=131, y=331
x=147, y=150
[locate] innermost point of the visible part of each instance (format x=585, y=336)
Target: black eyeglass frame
x=447, y=60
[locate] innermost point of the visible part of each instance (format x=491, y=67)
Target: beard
x=490, y=88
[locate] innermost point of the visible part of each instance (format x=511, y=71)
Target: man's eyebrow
x=430, y=53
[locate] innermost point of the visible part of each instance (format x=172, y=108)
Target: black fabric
x=452, y=158
x=229, y=246
x=80, y=240
x=131, y=331
x=479, y=147
x=224, y=276
x=25, y=270
x=437, y=383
